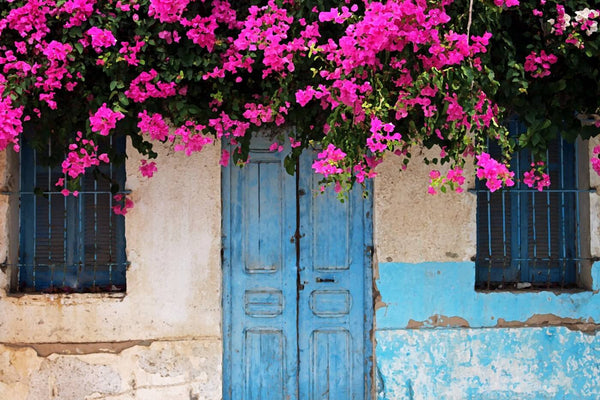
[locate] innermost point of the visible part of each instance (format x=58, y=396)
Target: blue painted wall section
x=438, y=338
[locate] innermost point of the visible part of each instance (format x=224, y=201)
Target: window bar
x=65, y=229
x=488, y=199
x=110, y=221
x=563, y=240
x=49, y=243
x=534, y=233
x=34, y=259
x=80, y=240
x=549, y=226
x=95, y=262
x=20, y=186
x=577, y=185
x=506, y=258
x=519, y=227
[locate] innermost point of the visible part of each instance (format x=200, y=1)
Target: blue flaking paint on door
x=294, y=327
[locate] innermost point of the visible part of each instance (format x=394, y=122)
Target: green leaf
x=123, y=99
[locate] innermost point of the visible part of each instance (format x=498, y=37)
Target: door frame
x=226, y=270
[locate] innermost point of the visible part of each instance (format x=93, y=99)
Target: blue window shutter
x=528, y=236
x=70, y=243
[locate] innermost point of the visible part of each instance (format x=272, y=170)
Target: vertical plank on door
x=335, y=306
x=259, y=268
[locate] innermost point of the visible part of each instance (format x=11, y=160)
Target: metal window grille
x=527, y=238
x=69, y=244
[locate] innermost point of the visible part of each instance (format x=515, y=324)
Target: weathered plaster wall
x=488, y=364
x=414, y=226
x=438, y=338
x=164, y=334
x=158, y=370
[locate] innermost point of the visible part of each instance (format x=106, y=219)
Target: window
x=532, y=239
x=69, y=244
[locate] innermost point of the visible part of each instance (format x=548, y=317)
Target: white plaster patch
x=413, y=226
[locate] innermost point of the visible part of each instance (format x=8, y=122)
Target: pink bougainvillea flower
x=148, y=168
x=495, y=173
x=11, y=125
x=327, y=162
x=101, y=38
x=105, y=119
x=153, y=125
x=124, y=204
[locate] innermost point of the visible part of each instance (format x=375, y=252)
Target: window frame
x=519, y=269
x=83, y=276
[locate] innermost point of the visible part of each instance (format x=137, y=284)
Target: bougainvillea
x=360, y=79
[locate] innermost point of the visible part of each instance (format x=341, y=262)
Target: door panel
x=295, y=325
x=334, y=263
x=259, y=261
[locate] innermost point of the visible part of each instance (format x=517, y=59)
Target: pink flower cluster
x=495, y=173
x=190, y=138
x=507, y=3
x=10, y=123
x=145, y=86
x=101, y=38
x=148, y=168
x=202, y=31
x=130, y=51
x=366, y=169
x=380, y=141
x=153, y=125
x=328, y=161
x=584, y=19
x=82, y=154
x=30, y=20
x=454, y=179
x=105, y=119
x=225, y=126
x=596, y=160
x=123, y=204
x=539, y=65
x=266, y=29
x=167, y=10
x=80, y=11
x=535, y=177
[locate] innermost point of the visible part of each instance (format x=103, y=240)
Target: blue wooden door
x=297, y=285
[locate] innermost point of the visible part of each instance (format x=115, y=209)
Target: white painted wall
x=414, y=226
x=168, y=322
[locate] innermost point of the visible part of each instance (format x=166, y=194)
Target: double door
x=297, y=284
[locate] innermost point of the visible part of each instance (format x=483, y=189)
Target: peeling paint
x=540, y=320
x=438, y=338
x=46, y=349
x=415, y=293
x=436, y=321
x=490, y=363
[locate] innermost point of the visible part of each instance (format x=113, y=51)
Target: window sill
x=63, y=298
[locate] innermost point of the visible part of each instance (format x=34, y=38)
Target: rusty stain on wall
x=436, y=321
x=539, y=320
x=46, y=349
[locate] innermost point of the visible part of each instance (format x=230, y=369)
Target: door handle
x=325, y=280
